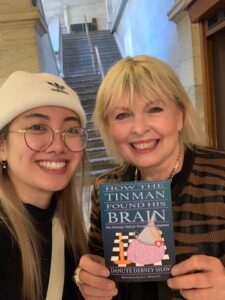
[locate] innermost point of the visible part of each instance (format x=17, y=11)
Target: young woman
x=42, y=232
x=148, y=124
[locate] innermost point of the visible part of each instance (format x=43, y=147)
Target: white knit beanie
x=23, y=91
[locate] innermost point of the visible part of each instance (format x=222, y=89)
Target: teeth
x=143, y=146
x=52, y=165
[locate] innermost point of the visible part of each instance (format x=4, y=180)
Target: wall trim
x=178, y=11
x=118, y=15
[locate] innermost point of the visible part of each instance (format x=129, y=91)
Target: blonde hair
x=151, y=78
x=18, y=221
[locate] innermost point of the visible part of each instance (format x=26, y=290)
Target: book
x=137, y=230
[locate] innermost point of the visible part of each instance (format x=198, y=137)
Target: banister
x=90, y=44
x=99, y=61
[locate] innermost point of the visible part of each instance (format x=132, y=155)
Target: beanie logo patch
x=58, y=88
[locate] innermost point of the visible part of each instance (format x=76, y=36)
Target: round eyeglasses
x=38, y=137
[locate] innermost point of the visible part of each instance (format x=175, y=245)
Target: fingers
x=196, y=294
x=94, y=277
x=95, y=293
x=198, y=272
x=190, y=281
x=196, y=263
x=99, y=282
x=97, y=298
x=94, y=264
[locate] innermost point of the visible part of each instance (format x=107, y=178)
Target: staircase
x=81, y=74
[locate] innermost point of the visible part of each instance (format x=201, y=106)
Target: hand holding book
x=94, y=277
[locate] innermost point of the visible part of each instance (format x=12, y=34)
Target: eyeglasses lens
x=75, y=138
x=40, y=137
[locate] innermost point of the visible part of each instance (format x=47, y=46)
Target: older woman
x=148, y=125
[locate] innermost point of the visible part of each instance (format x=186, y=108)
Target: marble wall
x=18, y=49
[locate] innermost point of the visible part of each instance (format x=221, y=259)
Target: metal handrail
x=90, y=44
x=99, y=62
x=100, y=67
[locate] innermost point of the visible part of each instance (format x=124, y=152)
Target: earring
x=4, y=164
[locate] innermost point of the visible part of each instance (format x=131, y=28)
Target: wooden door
x=211, y=17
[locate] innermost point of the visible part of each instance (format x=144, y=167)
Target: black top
x=10, y=257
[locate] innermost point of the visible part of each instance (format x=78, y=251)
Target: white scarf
x=57, y=271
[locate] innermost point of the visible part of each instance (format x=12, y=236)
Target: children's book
x=137, y=229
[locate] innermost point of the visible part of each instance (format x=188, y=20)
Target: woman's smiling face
x=147, y=135
x=36, y=175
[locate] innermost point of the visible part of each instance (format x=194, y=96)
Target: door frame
x=200, y=12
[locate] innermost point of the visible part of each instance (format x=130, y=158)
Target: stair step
x=93, y=130
x=94, y=135
x=81, y=76
x=95, y=149
x=95, y=143
x=99, y=172
x=100, y=159
x=101, y=164
x=92, y=139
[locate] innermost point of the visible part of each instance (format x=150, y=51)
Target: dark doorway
x=218, y=69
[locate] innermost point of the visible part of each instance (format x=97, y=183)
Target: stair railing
x=99, y=61
x=90, y=44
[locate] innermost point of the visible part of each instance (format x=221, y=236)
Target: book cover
x=137, y=230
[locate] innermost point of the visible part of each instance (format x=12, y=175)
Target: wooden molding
x=19, y=16
x=199, y=10
x=208, y=92
x=178, y=10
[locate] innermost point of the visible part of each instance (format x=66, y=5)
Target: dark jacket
x=10, y=258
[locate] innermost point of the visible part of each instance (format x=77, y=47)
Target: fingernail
x=105, y=273
x=174, y=270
